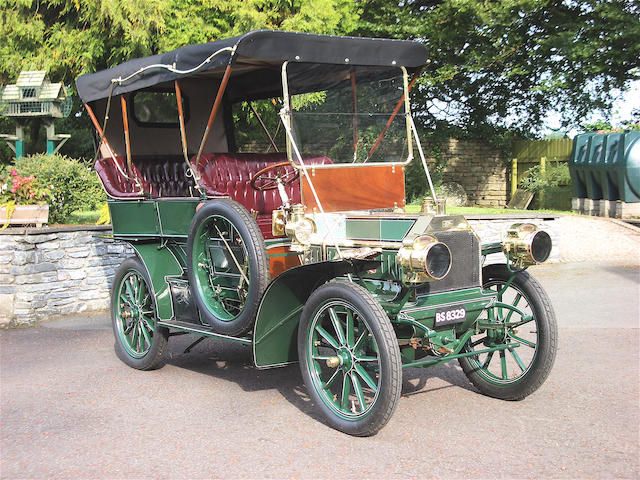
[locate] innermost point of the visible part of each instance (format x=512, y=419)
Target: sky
x=620, y=112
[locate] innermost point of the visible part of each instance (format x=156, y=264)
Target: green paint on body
x=160, y=263
x=378, y=228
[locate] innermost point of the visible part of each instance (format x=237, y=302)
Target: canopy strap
x=354, y=97
x=127, y=143
x=183, y=138
x=214, y=109
x=101, y=131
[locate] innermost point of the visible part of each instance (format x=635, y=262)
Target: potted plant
x=23, y=200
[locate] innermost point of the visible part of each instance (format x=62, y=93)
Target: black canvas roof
x=258, y=54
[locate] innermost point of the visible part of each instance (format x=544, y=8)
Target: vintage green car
x=260, y=182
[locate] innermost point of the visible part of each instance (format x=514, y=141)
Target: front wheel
x=349, y=358
x=140, y=342
x=527, y=334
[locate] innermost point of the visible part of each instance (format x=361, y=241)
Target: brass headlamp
x=525, y=244
x=425, y=259
x=299, y=228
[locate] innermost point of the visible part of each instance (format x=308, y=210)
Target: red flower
x=14, y=172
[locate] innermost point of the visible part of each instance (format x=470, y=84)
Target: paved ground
x=71, y=409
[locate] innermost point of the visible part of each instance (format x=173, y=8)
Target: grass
x=83, y=217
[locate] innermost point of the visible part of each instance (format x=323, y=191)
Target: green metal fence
x=529, y=153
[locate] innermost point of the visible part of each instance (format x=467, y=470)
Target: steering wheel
x=267, y=178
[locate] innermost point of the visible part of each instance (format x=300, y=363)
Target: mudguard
x=160, y=263
x=275, y=333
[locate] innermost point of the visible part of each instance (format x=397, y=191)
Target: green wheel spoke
x=366, y=359
x=357, y=387
x=350, y=329
x=515, y=304
x=522, y=340
x=129, y=292
x=148, y=323
x=146, y=335
x=523, y=322
x=332, y=379
x=128, y=329
x=141, y=290
x=361, y=338
x=487, y=360
x=346, y=390
x=321, y=357
x=478, y=342
x=516, y=357
x=366, y=377
x=134, y=335
x=327, y=336
x=503, y=362
x=337, y=326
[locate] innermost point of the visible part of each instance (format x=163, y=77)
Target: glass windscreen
x=349, y=114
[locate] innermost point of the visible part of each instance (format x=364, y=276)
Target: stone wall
x=56, y=271
x=480, y=168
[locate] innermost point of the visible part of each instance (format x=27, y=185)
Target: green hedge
x=75, y=185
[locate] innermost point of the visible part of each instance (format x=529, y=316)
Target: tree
x=499, y=65
x=71, y=37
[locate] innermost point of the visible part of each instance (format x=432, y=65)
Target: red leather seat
x=229, y=174
x=160, y=176
x=115, y=183
x=222, y=174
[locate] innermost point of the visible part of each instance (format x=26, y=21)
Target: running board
x=203, y=330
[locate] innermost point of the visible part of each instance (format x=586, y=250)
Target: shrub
x=556, y=175
x=73, y=185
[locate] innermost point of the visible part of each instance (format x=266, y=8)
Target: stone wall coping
x=55, y=229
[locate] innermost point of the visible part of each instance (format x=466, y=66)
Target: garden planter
x=26, y=215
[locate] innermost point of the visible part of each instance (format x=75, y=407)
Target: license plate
x=450, y=315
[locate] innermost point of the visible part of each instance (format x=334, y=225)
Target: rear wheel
x=349, y=358
x=528, y=333
x=140, y=342
x=227, y=265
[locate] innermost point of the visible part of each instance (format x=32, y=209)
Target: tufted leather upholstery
x=167, y=176
x=161, y=176
x=222, y=174
x=230, y=174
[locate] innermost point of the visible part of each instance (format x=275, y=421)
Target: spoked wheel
x=349, y=358
x=527, y=331
x=140, y=342
x=227, y=265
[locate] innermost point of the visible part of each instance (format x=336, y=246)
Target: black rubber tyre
x=364, y=344
x=531, y=366
x=140, y=342
x=222, y=232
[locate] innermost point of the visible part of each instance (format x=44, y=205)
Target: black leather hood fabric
x=258, y=57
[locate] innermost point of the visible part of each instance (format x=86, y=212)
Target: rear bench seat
x=160, y=176
x=222, y=174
